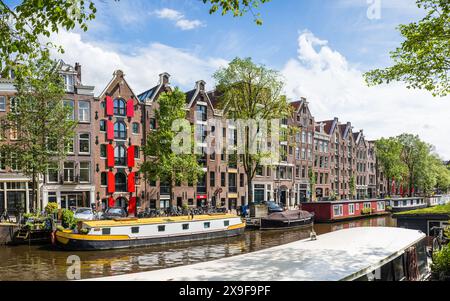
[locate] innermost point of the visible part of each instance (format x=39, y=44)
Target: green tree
x=40, y=120
x=251, y=92
x=388, y=155
x=237, y=7
x=423, y=59
x=23, y=26
x=312, y=184
x=163, y=163
x=352, y=186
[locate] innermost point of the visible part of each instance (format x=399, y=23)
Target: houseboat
x=356, y=254
x=287, y=220
x=129, y=233
x=334, y=211
x=406, y=204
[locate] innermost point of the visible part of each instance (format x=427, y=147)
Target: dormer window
x=119, y=107
x=69, y=82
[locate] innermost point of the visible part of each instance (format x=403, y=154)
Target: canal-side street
x=44, y=263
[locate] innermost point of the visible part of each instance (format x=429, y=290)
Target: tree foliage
x=248, y=91
x=423, y=59
x=237, y=7
x=22, y=27
x=39, y=119
x=162, y=162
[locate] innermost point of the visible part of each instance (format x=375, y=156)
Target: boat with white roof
x=363, y=254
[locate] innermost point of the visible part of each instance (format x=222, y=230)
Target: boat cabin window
x=134, y=230
x=399, y=269
x=396, y=203
x=106, y=231
x=161, y=228
x=207, y=225
x=185, y=226
x=226, y=223
x=338, y=210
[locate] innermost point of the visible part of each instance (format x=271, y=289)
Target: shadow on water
x=47, y=263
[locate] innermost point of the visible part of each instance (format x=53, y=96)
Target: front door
x=283, y=198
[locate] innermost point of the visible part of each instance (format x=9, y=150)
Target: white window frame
x=381, y=206
x=84, y=139
x=88, y=169
x=367, y=205
x=84, y=114
x=340, y=208
x=352, y=207
x=48, y=178
x=3, y=103
x=71, y=174
x=70, y=103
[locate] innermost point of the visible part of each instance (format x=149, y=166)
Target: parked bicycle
x=440, y=240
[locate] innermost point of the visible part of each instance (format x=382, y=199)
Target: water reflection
x=44, y=263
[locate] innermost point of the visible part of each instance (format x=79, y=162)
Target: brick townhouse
x=102, y=167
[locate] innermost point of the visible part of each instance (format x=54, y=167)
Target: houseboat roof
x=341, y=255
x=346, y=201
x=441, y=210
x=158, y=220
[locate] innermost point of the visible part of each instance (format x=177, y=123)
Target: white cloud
x=142, y=67
x=337, y=89
x=179, y=19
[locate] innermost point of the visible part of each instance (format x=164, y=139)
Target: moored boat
x=407, y=204
x=129, y=233
x=286, y=220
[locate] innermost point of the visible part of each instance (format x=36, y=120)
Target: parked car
x=274, y=207
x=114, y=212
x=84, y=213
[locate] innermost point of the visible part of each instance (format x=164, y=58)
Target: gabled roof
x=330, y=125
x=118, y=74
x=148, y=96
x=190, y=95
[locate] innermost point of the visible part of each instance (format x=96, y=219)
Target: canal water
x=45, y=263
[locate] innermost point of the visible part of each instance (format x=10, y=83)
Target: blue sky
x=321, y=48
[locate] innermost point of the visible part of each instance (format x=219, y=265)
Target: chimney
x=164, y=78
x=78, y=70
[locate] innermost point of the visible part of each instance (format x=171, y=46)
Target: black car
x=114, y=212
x=274, y=207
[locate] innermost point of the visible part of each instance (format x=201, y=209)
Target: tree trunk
x=249, y=190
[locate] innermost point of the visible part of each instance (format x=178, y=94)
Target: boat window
x=226, y=223
x=185, y=226
x=106, y=231
x=207, y=225
x=387, y=272
x=161, y=228
x=399, y=271
x=134, y=230
x=422, y=258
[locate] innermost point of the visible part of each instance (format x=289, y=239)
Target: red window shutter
x=132, y=206
x=131, y=185
x=109, y=106
x=109, y=130
x=111, y=182
x=130, y=108
x=111, y=202
x=110, y=155
x=130, y=156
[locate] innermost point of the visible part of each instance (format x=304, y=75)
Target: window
x=161, y=228
x=70, y=104
x=102, y=125
x=152, y=123
x=52, y=174
x=222, y=179
x=85, y=172
x=207, y=225
x=121, y=182
x=120, y=156
x=85, y=144
x=69, y=82
x=338, y=210
x=226, y=223
x=2, y=103
x=351, y=209
x=136, y=152
x=202, y=113
x=120, y=130
x=381, y=206
x=212, y=179
x=104, y=179
x=103, y=153
x=134, y=230
x=119, y=107
x=2, y=161
x=241, y=180
x=185, y=226
x=84, y=111
x=70, y=147
x=367, y=206
x=69, y=172
x=135, y=128
x=106, y=231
